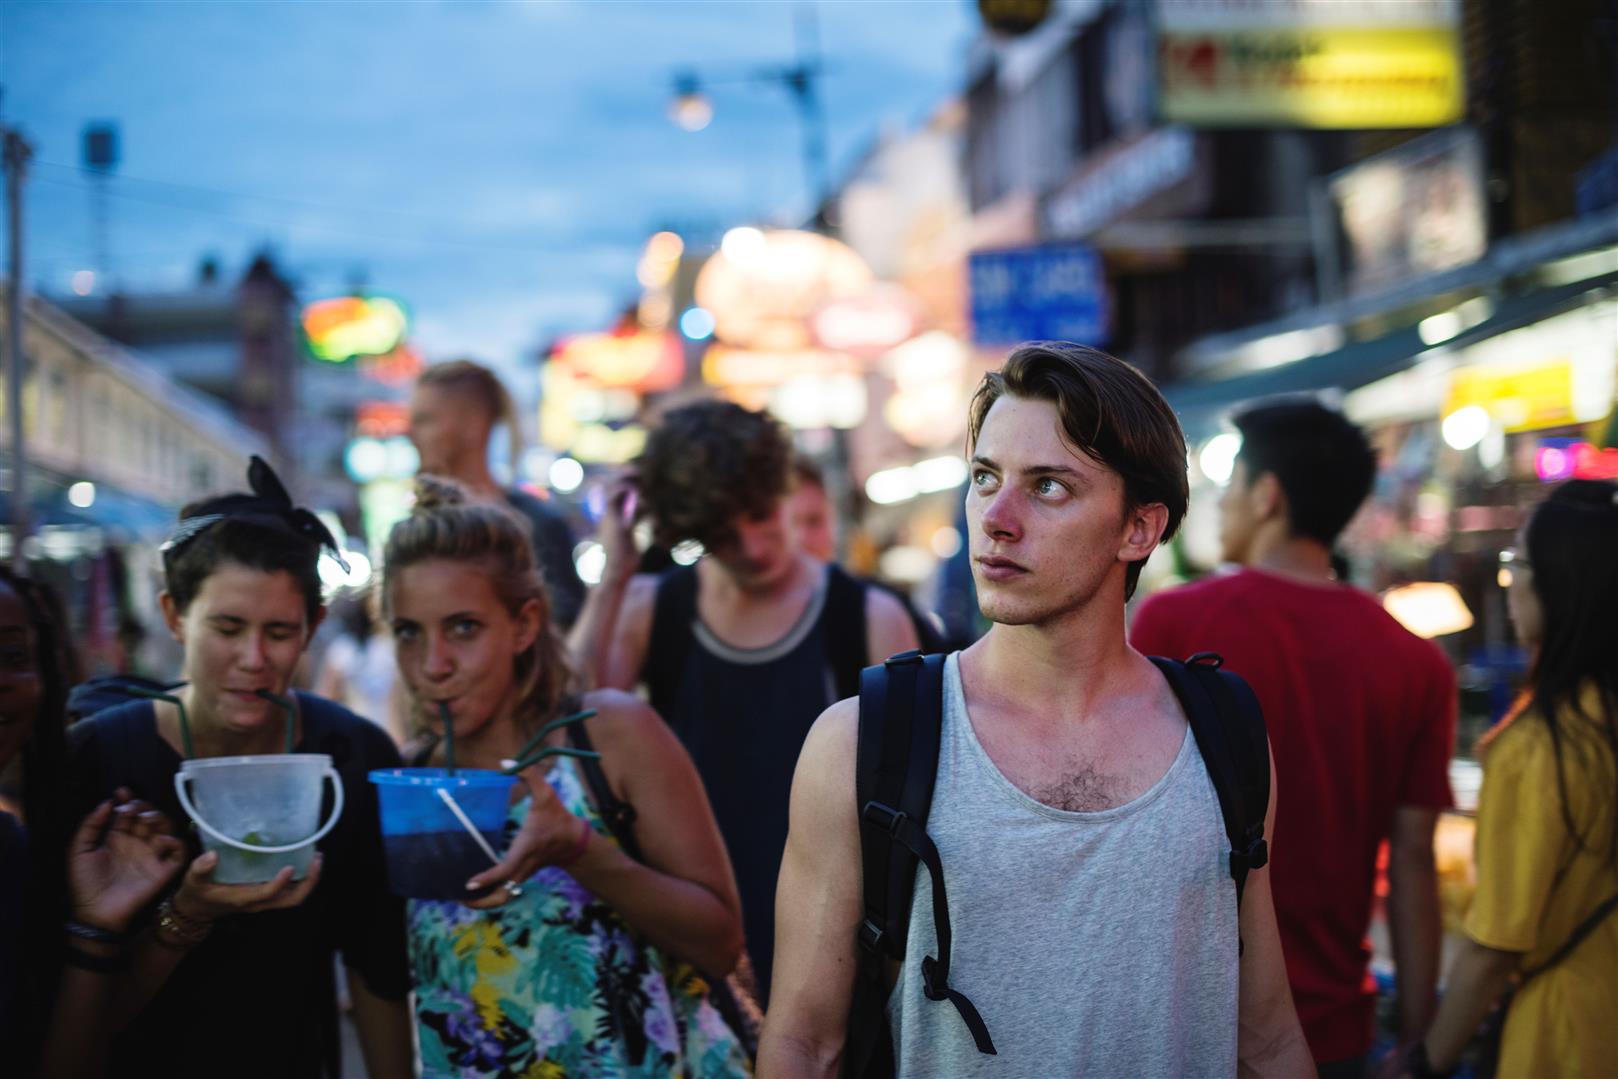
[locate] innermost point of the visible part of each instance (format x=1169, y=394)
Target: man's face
x=1236, y=519
x=811, y=515
x=445, y=427
x=760, y=550
x=1047, y=524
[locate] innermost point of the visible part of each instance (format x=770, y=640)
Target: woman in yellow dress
x=1545, y=916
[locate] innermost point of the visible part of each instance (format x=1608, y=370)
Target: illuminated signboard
x=1559, y=459
x=1522, y=397
x=1416, y=209
x=644, y=362
x=381, y=419
x=762, y=287
x=339, y=329
x=1310, y=63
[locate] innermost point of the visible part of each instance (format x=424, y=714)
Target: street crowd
x=816, y=840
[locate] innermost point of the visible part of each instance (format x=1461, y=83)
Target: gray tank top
x=1094, y=944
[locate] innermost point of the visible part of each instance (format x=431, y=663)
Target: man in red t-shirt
x=1361, y=717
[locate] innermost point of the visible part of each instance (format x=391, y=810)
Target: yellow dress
x=1536, y=883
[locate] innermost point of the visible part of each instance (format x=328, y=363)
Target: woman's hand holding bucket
x=202, y=899
x=550, y=835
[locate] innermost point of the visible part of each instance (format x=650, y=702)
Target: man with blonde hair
x=453, y=411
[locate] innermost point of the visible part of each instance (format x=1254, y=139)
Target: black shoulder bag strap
x=673, y=611
x=843, y=630
x=1228, y=725
x=1585, y=928
x=617, y=814
x=901, y=719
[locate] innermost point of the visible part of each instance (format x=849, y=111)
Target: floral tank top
x=554, y=983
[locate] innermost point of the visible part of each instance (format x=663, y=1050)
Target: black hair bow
x=269, y=500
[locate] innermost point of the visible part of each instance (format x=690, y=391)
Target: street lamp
x=691, y=109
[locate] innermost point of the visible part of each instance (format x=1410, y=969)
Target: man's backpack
x=896, y=762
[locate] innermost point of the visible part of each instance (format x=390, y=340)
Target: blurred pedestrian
x=1545, y=915
x=1361, y=717
x=453, y=411
x=1091, y=925
x=36, y=667
x=238, y=978
x=741, y=651
x=814, y=518
x=358, y=671
x=122, y=854
x=572, y=966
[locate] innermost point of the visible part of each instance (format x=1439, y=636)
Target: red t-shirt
x=1361, y=717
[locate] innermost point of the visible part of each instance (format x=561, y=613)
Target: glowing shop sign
x=348, y=326
x=1559, y=459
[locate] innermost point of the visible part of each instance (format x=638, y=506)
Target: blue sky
x=495, y=164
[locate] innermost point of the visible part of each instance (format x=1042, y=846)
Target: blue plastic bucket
x=430, y=853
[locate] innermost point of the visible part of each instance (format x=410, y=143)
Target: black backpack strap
x=1584, y=929
x=617, y=814
x=843, y=630
x=896, y=763
x=1228, y=725
x=673, y=612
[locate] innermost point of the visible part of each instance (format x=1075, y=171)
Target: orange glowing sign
x=641, y=361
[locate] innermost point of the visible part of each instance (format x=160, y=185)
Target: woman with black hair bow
x=236, y=979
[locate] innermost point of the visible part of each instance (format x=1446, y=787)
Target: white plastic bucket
x=259, y=814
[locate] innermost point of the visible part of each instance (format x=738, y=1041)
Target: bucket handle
x=331, y=822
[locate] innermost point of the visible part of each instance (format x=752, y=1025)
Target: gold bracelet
x=181, y=931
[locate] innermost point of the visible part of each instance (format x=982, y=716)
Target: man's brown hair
x=1109, y=411
x=707, y=464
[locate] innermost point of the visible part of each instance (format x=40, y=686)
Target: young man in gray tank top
x=1094, y=917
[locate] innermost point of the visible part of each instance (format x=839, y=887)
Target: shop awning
x=1201, y=405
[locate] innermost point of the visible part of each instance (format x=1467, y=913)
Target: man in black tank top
x=741, y=651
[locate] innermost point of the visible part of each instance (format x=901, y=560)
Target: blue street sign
x=1052, y=293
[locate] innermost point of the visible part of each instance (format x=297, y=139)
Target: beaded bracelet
x=95, y=933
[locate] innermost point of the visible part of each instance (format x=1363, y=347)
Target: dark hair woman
x=36, y=668
x=237, y=978
x=1546, y=911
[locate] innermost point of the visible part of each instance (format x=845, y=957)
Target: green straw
x=449, y=736
x=555, y=751
x=291, y=710
x=185, y=721
x=554, y=725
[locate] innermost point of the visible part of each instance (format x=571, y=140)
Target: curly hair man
x=741, y=651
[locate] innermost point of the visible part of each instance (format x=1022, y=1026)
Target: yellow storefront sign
x=1308, y=76
x=1519, y=398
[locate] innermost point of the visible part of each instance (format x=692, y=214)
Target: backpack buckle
x=1206, y=659
x=885, y=817
x=899, y=659
x=1256, y=856
x=870, y=936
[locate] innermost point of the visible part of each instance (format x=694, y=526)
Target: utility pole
x=16, y=155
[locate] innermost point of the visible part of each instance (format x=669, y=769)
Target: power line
x=340, y=230
x=257, y=197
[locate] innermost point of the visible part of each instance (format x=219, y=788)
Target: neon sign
x=1564, y=459
x=340, y=329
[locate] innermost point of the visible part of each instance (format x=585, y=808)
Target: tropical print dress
x=554, y=983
